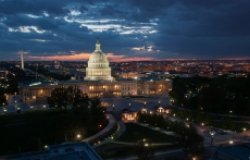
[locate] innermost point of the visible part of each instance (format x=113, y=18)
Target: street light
x=145, y=143
x=231, y=142
x=46, y=147
x=212, y=134
x=202, y=124
x=187, y=125
x=194, y=158
x=78, y=136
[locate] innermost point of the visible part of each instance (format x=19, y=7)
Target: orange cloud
x=85, y=56
x=70, y=57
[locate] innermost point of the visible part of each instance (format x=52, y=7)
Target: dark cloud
x=178, y=28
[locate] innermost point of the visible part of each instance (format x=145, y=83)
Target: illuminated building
x=129, y=116
x=98, y=66
x=98, y=83
x=40, y=92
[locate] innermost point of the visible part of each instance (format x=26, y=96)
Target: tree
x=62, y=97
x=219, y=94
x=59, y=98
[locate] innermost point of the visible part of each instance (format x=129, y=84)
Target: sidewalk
x=111, y=125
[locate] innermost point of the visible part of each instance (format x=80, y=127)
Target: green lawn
x=134, y=133
x=32, y=130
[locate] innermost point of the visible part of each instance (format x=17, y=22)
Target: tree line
x=218, y=95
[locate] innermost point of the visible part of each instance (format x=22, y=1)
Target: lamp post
x=46, y=147
x=212, y=134
x=78, y=137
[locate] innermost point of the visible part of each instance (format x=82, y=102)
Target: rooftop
x=79, y=151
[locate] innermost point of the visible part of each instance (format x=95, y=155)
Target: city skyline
x=125, y=79
x=128, y=30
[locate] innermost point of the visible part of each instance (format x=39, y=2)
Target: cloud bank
x=132, y=29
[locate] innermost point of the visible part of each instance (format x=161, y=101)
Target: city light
x=146, y=144
x=78, y=136
x=46, y=147
x=194, y=158
x=212, y=133
x=231, y=142
x=202, y=124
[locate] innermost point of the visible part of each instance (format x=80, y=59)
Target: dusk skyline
x=128, y=29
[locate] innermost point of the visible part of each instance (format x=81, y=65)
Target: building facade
x=40, y=93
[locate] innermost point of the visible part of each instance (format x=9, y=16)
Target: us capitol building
x=98, y=82
x=98, y=66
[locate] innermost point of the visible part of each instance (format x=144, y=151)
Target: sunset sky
x=127, y=29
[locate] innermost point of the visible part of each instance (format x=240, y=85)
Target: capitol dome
x=98, y=66
x=98, y=56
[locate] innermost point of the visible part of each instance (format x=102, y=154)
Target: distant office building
x=57, y=65
x=3, y=74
